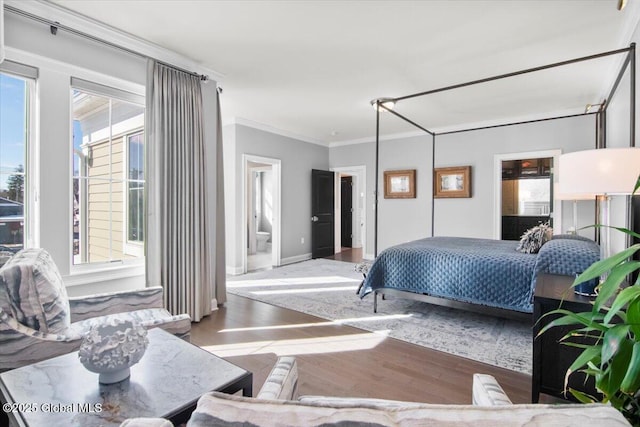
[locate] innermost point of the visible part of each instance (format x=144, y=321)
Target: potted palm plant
x=613, y=329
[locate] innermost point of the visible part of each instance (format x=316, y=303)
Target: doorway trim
x=497, y=179
x=276, y=226
x=360, y=187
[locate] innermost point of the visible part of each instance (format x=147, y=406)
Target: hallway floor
x=348, y=255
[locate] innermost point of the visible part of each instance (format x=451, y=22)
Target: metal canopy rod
x=623, y=69
x=433, y=199
x=516, y=73
x=405, y=119
x=55, y=26
x=375, y=211
x=517, y=123
x=632, y=136
x=632, y=89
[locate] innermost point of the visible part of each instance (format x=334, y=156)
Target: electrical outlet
x=302, y=240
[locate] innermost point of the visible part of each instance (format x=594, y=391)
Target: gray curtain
x=177, y=233
x=2, y=54
x=221, y=264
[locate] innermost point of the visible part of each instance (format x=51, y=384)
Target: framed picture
x=452, y=182
x=400, y=184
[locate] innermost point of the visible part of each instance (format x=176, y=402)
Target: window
x=17, y=85
x=108, y=174
x=135, y=194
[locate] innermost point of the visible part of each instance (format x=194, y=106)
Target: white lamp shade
x=560, y=193
x=609, y=171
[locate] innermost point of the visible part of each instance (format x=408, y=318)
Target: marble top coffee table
x=166, y=383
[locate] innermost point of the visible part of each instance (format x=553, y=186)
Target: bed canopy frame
x=629, y=62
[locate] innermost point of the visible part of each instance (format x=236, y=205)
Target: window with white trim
x=108, y=174
x=135, y=194
x=17, y=85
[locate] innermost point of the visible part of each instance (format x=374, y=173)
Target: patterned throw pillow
x=533, y=239
x=32, y=292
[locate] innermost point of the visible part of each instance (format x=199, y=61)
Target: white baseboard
x=369, y=256
x=294, y=259
x=234, y=271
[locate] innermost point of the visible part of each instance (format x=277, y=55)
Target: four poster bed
x=490, y=273
x=480, y=274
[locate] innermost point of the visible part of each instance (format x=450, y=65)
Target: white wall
x=58, y=58
x=402, y=220
x=618, y=131
x=297, y=159
x=475, y=217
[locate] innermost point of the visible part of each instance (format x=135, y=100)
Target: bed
x=480, y=272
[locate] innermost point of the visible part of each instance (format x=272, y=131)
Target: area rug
x=327, y=289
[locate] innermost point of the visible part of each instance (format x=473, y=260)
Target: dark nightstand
x=550, y=358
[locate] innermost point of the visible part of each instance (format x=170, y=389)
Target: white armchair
x=277, y=405
x=39, y=321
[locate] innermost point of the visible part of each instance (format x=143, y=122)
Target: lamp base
x=587, y=289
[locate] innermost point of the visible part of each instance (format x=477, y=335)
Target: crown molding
x=100, y=30
x=274, y=130
x=368, y=139
x=512, y=121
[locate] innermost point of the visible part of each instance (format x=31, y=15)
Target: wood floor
x=348, y=255
x=338, y=360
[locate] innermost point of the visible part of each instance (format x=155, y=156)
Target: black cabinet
x=550, y=358
x=526, y=168
x=514, y=226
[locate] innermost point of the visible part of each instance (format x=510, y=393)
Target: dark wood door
x=322, y=214
x=346, y=211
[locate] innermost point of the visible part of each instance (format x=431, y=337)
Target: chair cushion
x=282, y=382
x=487, y=392
x=147, y=317
x=32, y=291
x=219, y=409
x=339, y=402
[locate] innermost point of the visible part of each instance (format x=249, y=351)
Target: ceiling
x=310, y=68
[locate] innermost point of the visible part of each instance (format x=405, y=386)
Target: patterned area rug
x=327, y=289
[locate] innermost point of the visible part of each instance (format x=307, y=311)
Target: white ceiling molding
x=100, y=30
x=390, y=137
x=467, y=126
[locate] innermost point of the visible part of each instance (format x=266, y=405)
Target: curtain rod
x=55, y=26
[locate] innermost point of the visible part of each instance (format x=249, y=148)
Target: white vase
x=112, y=347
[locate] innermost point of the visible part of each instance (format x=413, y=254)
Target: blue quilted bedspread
x=478, y=271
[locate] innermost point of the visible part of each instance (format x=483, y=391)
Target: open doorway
x=261, y=213
x=350, y=202
x=524, y=193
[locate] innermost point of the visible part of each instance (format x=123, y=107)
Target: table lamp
x=561, y=193
x=604, y=172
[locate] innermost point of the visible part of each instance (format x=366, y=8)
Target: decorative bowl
x=112, y=348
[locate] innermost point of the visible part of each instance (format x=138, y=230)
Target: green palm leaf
x=571, y=318
x=631, y=381
x=597, y=269
x=633, y=317
x=622, y=300
x=613, y=338
x=618, y=367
